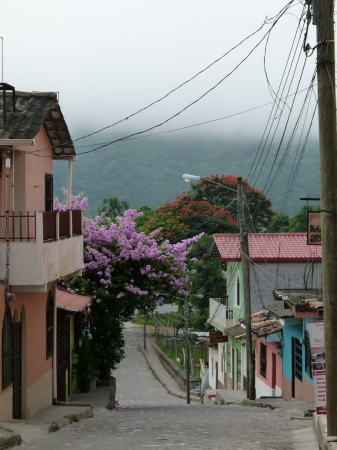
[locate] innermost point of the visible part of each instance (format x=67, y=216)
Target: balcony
x=43, y=247
x=219, y=314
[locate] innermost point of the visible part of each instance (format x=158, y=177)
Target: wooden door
x=17, y=370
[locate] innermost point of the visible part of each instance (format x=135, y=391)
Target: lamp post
x=186, y=313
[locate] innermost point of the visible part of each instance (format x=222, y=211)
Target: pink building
x=37, y=247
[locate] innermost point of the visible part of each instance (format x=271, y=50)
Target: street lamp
x=188, y=178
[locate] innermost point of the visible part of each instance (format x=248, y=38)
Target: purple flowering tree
x=124, y=270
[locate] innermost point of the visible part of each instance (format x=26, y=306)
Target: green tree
x=206, y=281
x=279, y=223
x=113, y=207
x=147, y=212
x=300, y=221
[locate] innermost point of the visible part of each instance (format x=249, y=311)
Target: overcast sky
x=109, y=58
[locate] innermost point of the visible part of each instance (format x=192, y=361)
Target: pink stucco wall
x=272, y=347
x=34, y=169
x=31, y=308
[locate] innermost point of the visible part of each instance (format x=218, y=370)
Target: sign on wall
x=314, y=228
x=317, y=347
x=216, y=337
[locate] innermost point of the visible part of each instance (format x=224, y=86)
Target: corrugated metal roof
x=71, y=302
x=268, y=247
x=279, y=310
x=34, y=109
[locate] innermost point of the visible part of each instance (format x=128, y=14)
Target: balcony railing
x=56, y=225
x=220, y=314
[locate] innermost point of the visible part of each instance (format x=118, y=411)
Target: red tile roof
x=290, y=247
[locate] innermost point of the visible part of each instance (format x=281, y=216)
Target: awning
x=71, y=302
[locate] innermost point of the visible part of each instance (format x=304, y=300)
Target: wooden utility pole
x=243, y=219
x=328, y=160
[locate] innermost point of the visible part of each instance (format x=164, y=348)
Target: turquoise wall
x=296, y=331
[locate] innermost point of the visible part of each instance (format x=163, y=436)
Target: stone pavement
x=149, y=417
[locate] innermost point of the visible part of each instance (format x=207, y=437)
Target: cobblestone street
x=148, y=417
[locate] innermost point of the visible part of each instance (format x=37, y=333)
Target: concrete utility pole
x=246, y=287
x=186, y=313
x=144, y=331
x=328, y=159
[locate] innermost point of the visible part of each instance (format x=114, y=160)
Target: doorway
x=17, y=370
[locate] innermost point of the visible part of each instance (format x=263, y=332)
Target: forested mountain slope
x=149, y=170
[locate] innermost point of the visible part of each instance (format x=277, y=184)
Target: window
x=229, y=357
x=263, y=360
x=308, y=367
x=237, y=291
x=7, y=349
x=298, y=358
x=212, y=369
x=222, y=358
x=48, y=192
x=50, y=325
x=238, y=363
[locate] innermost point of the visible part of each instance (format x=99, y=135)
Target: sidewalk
x=52, y=418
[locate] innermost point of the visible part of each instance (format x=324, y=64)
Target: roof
x=262, y=324
x=34, y=109
x=303, y=302
x=279, y=310
x=266, y=247
x=71, y=302
x=237, y=331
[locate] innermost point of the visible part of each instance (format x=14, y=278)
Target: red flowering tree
x=185, y=217
x=220, y=190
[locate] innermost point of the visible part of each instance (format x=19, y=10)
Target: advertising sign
x=314, y=228
x=317, y=347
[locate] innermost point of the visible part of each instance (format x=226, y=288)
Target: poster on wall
x=317, y=348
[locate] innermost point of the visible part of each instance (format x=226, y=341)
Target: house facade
x=278, y=260
x=38, y=246
x=306, y=306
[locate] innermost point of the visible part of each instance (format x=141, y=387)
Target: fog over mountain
x=149, y=170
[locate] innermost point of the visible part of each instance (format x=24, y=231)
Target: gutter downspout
x=55, y=347
x=8, y=165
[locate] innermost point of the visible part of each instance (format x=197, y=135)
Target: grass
x=168, y=347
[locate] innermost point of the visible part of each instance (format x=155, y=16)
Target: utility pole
x=328, y=162
x=186, y=313
x=246, y=287
x=144, y=331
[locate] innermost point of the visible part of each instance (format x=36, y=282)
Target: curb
x=182, y=396
x=9, y=441
x=67, y=420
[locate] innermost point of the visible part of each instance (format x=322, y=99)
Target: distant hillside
x=149, y=170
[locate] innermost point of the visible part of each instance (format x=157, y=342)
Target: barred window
x=229, y=357
x=238, y=379
x=263, y=360
x=308, y=366
x=50, y=325
x=298, y=358
x=7, y=349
